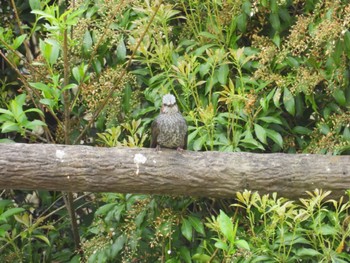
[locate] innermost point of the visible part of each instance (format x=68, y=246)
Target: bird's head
x=169, y=105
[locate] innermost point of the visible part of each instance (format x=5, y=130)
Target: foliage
x=262, y=228
x=252, y=75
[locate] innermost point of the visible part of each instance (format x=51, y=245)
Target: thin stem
x=29, y=55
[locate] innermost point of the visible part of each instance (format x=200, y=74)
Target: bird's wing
x=155, y=132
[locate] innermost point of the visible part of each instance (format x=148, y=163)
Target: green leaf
x=49, y=102
x=226, y=226
x=275, y=21
x=288, y=101
x=69, y=86
x=197, y=224
x=223, y=73
x=43, y=238
x=276, y=97
x=45, y=15
x=198, y=144
x=242, y=22
x=275, y=136
x=260, y=133
x=302, y=130
x=199, y=51
x=76, y=74
x=324, y=128
x=11, y=212
x=105, y=209
x=4, y=203
x=339, y=96
x=18, y=41
x=307, y=252
x=274, y=6
x=347, y=42
x=34, y=4
x=270, y=119
x=208, y=35
x=7, y=112
x=247, y=7
x=40, y=86
x=346, y=133
x=241, y=243
x=204, y=69
x=292, y=62
x=9, y=126
x=204, y=258
x=50, y=50
x=87, y=43
x=186, y=229
x=34, y=124
x=121, y=51
x=35, y=110
x=185, y=254
x=221, y=245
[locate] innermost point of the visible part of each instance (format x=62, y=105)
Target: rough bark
x=169, y=172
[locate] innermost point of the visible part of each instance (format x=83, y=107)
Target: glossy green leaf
x=247, y=7
x=242, y=22
x=34, y=124
x=292, y=62
x=198, y=143
x=9, y=126
x=307, y=252
x=226, y=226
x=43, y=238
x=275, y=21
x=346, y=133
x=18, y=41
x=10, y=212
x=221, y=245
x=223, y=73
x=121, y=51
x=241, y=243
x=185, y=254
x=271, y=119
x=87, y=43
x=260, y=133
x=35, y=110
x=34, y=4
x=207, y=35
x=275, y=136
x=273, y=6
x=277, y=97
x=302, y=130
x=324, y=128
x=288, y=101
x=197, y=224
x=186, y=229
x=7, y=112
x=339, y=96
x=203, y=258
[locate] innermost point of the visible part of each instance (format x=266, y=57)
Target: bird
x=169, y=128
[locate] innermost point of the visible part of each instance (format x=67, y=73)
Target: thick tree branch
x=169, y=172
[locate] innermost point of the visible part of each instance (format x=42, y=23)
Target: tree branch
x=140, y=170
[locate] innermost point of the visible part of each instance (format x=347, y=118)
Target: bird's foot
x=157, y=149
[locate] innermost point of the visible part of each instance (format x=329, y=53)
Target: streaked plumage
x=169, y=129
